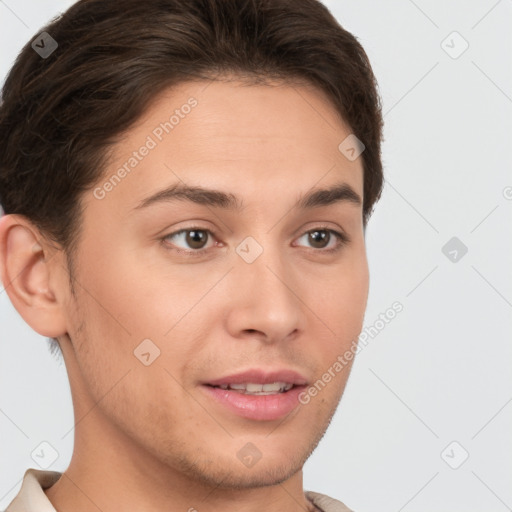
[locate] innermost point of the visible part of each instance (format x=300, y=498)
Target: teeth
x=257, y=388
x=251, y=388
x=240, y=387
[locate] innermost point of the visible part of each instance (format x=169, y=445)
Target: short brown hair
x=60, y=114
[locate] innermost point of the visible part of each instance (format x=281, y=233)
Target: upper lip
x=260, y=376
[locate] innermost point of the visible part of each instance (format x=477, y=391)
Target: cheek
x=344, y=298
x=124, y=303
x=124, y=299
x=341, y=307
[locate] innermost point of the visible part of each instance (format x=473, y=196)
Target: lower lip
x=257, y=407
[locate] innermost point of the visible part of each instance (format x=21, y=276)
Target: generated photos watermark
x=343, y=360
x=152, y=140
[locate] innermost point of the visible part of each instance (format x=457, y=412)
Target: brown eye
x=319, y=238
x=189, y=240
x=196, y=238
x=324, y=241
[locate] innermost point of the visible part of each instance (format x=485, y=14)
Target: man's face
x=263, y=288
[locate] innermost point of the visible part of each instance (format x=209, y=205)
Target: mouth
x=255, y=389
x=256, y=394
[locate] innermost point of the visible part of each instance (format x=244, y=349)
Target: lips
x=257, y=394
x=257, y=376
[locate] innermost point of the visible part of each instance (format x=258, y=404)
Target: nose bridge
x=264, y=299
x=262, y=263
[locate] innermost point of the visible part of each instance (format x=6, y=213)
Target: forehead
x=248, y=139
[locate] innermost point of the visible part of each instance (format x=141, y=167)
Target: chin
x=239, y=477
x=224, y=472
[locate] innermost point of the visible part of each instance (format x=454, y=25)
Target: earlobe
x=26, y=275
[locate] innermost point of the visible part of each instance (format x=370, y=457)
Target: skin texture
x=148, y=437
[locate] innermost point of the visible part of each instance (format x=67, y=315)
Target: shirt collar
x=31, y=497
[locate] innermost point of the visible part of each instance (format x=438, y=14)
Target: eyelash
x=342, y=239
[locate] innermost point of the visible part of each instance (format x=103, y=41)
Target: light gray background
x=440, y=371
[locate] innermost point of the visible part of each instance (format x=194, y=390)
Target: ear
x=27, y=275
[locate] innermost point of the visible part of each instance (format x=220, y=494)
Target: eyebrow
x=341, y=192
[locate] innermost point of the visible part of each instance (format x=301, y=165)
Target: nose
x=264, y=299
